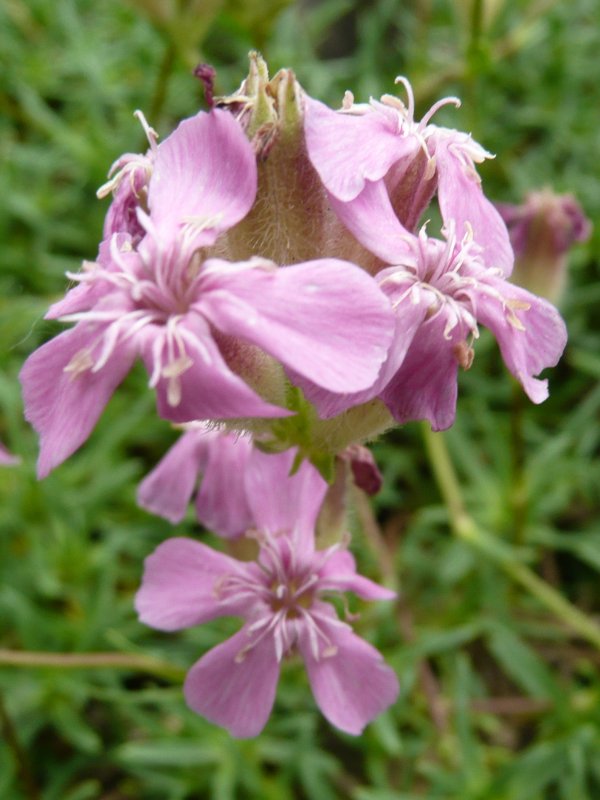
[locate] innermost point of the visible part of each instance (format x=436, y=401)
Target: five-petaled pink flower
x=282, y=596
x=441, y=291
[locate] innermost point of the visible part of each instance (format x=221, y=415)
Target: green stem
x=476, y=23
x=159, y=95
x=497, y=551
x=142, y=663
x=502, y=49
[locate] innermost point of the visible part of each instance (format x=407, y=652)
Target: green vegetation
x=495, y=551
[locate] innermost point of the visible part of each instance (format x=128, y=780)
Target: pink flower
x=221, y=459
x=381, y=143
x=442, y=291
x=447, y=288
x=282, y=598
x=220, y=462
x=325, y=320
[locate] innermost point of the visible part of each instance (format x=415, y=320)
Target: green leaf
x=171, y=752
x=521, y=663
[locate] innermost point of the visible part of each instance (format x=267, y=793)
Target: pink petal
x=372, y=220
x=533, y=341
x=64, y=409
x=237, y=694
x=80, y=298
x=167, y=490
x=353, y=686
x=83, y=296
x=209, y=389
x=180, y=585
x=339, y=574
x=347, y=150
x=222, y=502
x=204, y=172
x=461, y=199
x=121, y=216
x=407, y=320
x=425, y=386
x=280, y=502
x=326, y=320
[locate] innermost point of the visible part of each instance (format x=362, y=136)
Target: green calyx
x=321, y=440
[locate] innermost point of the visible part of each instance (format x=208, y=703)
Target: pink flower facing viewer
x=441, y=291
x=446, y=290
x=326, y=320
x=282, y=598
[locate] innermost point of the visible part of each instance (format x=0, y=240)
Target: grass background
x=500, y=694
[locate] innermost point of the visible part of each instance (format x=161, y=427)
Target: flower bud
x=542, y=231
x=365, y=471
x=292, y=220
x=287, y=222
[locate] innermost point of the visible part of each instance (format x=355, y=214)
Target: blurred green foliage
x=500, y=700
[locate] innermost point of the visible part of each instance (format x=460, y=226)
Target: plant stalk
x=465, y=527
x=141, y=663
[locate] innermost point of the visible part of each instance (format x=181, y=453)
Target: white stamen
x=348, y=100
x=151, y=134
x=411, y=97
x=445, y=101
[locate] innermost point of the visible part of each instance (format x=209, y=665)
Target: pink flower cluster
x=265, y=262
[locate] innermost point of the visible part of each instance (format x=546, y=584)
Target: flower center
x=281, y=599
x=449, y=278
x=292, y=596
x=147, y=291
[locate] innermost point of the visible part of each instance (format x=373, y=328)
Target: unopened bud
x=207, y=74
x=365, y=471
x=542, y=231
